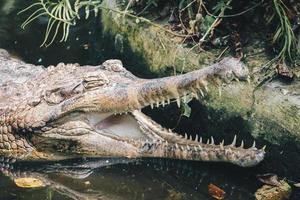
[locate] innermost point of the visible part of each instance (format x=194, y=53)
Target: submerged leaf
x=29, y=182
x=216, y=192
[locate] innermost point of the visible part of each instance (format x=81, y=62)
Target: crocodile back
x=14, y=73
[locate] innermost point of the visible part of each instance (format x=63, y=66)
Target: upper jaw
x=135, y=94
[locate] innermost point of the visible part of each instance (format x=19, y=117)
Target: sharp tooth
x=207, y=141
x=264, y=148
x=169, y=101
x=193, y=90
x=178, y=102
x=253, y=146
x=200, y=148
x=188, y=147
x=185, y=136
x=201, y=92
x=200, y=140
x=152, y=105
x=196, y=138
x=236, y=79
x=170, y=130
x=167, y=143
x=234, y=141
x=195, y=148
x=206, y=88
x=212, y=140
x=220, y=91
x=196, y=96
x=157, y=103
x=163, y=103
x=191, y=138
x=222, y=143
x=242, y=144
x=249, y=79
x=176, y=145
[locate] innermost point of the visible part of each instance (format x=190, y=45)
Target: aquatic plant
x=62, y=15
x=284, y=35
x=198, y=19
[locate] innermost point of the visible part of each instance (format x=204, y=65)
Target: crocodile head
x=69, y=110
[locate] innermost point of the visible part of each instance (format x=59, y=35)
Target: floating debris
x=216, y=192
x=29, y=182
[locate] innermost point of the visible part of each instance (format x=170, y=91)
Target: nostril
x=229, y=76
x=113, y=65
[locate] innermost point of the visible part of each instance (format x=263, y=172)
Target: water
x=125, y=179
x=88, y=178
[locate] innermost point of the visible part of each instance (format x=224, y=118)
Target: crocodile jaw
x=135, y=135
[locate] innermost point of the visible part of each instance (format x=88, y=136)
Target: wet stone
x=1, y=145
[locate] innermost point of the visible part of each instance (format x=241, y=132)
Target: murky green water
x=110, y=178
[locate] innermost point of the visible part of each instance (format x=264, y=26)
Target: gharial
x=71, y=110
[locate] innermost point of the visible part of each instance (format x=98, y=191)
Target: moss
x=157, y=47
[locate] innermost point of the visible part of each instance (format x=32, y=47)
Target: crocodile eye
x=94, y=80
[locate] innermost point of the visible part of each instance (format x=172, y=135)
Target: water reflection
x=116, y=178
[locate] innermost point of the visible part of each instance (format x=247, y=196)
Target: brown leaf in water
x=29, y=182
x=216, y=192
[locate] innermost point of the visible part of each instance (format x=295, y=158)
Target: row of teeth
x=195, y=93
x=197, y=139
x=212, y=142
x=178, y=100
x=185, y=99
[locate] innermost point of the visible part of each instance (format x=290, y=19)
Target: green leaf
x=186, y=110
x=207, y=22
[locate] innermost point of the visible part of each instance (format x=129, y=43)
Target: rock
x=271, y=192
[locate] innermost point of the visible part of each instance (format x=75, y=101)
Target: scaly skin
x=69, y=110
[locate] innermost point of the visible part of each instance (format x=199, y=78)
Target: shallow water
x=88, y=178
